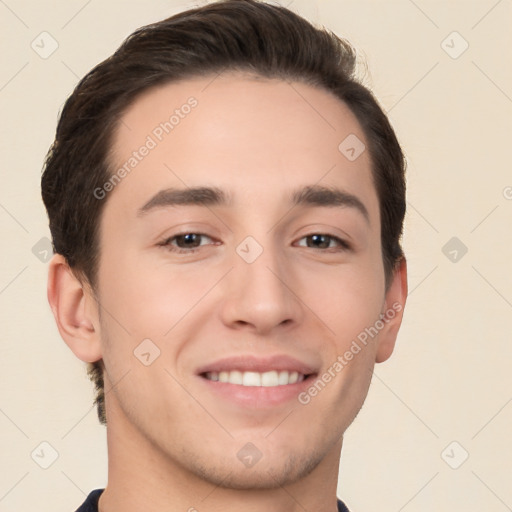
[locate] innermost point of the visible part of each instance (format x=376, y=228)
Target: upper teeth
x=267, y=379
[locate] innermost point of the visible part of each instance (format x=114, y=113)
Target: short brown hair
x=233, y=35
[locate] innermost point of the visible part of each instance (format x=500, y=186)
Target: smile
x=251, y=379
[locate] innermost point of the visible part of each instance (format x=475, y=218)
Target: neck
x=141, y=477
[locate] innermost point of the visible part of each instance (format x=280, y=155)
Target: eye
x=323, y=241
x=186, y=242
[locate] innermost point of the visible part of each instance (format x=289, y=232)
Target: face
x=240, y=265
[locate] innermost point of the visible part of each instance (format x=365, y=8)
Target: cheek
x=349, y=304
x=147, y=299
x=347, y=299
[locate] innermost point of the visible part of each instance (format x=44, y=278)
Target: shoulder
x=342, y=507
x=91, y=503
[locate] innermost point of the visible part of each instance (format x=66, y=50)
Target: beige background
x=449, y=379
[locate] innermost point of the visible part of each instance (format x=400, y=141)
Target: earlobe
x=74, y=309
x=394, y=305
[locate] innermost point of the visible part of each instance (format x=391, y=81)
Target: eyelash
x=167, y=243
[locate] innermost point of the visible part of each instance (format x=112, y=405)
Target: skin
x=172, y=442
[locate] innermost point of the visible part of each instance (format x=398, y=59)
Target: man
x=226, y=204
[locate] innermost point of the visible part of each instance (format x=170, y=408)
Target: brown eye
x=318, y=241
x=322, y=241
x=186, y=242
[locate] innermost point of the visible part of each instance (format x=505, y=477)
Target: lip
x=257, y=397
x=250, y=363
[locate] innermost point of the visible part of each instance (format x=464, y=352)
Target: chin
x=267, y=474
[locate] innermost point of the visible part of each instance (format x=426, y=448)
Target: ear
x=75, y=310
x=394, y=305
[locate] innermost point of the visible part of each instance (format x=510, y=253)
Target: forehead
x=241, y=133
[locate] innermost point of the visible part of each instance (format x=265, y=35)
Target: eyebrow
x=201, y=196
x=313, y=195
x=317, y=195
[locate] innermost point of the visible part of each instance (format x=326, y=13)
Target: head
x=243, y=109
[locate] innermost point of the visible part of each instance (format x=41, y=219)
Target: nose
x=259, y=296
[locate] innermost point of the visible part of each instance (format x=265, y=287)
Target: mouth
x=271, y=378
x=256, y=382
